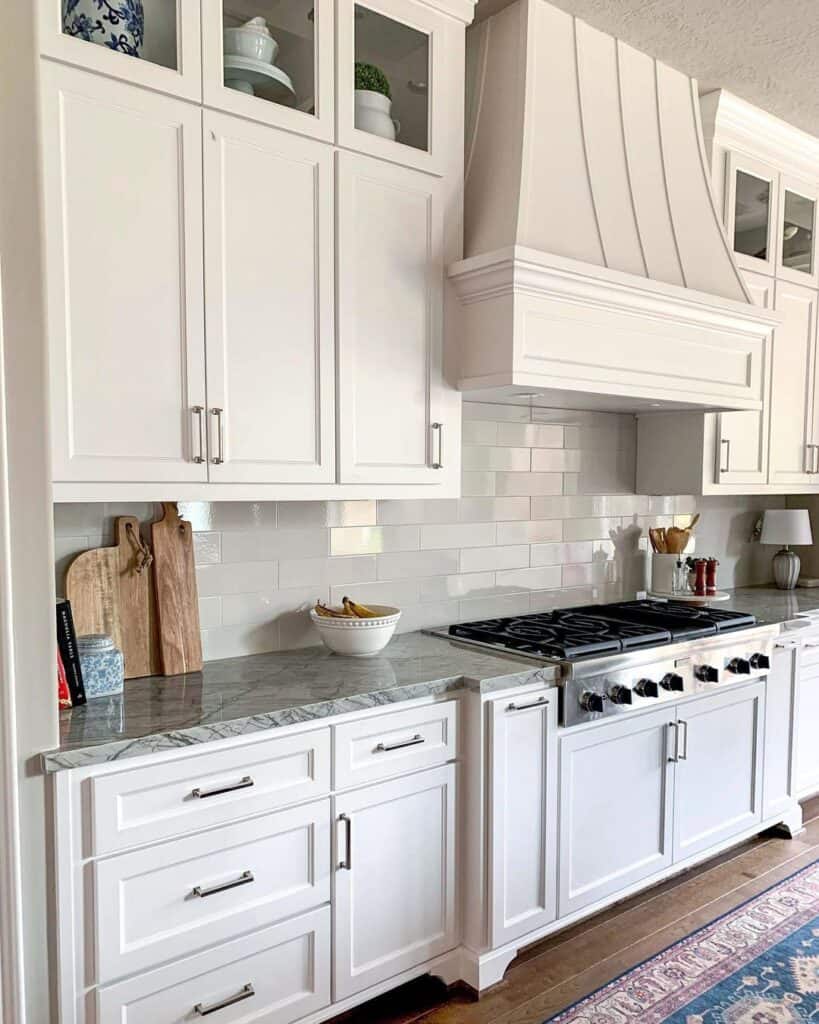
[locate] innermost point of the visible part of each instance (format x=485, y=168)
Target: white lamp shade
x=786, y=526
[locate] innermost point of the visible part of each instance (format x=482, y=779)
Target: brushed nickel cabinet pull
x=202, y=891
x=347, y=863
x=541, y=702
x=197, y=411
x=439, y=427
x=219, y=458
x=683, y=755
x=810, y=458
x=245, y=992
x=413, y=742
x=727, y=442
x=202, y=794
x=673, y=758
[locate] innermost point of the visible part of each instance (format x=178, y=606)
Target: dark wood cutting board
x=177, y=601
x=137, y=602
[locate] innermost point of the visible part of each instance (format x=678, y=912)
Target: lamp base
x=786, y=567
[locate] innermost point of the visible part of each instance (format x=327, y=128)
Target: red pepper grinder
x=700, y=566
x=711, y=577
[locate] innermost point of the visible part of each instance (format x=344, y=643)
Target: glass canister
x=103, y=667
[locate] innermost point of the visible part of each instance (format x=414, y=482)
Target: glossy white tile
x=514, y=460
x=499, y=413
x=479, y=432
x=459, y=535
x=529, y=483
x=268, y=606
x=418, y=563
x=207, y=548
x=555, y=460
x=472, y=584
x=270, y=545
x=589, y=529
x=302, y=572
x=359, y=540
x=530, y=532
x=475, y=485
x=542, y=578
x=514, y=556
x=558, y=554
x=236, y=578
x=497, y=605
x=210, y=612
x=531, y=435
x=480, y=510
x=397, y=593
x=402, y=512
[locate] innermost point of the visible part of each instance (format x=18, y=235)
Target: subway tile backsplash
x=548, y=518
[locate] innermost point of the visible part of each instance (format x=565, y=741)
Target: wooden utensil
x=177, y=602
x=91, y=585
x=137, y=601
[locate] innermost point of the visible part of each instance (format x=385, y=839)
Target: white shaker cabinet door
x=395, y=878
x=269, y=273
x=718, y=778
x=390, y=320
x=123, y=224
x=523, y=873
x=615, y=807
x=793, y=457
x=806, y=722
x=742, y=448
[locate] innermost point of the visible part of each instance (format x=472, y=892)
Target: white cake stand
x=256, y=78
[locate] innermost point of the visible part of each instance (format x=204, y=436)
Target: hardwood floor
x=557, y=971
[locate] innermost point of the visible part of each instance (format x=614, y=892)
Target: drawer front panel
x=810, y=654
x=168, y=901
x=144, y=805
x=271, y=977
x=386, y=745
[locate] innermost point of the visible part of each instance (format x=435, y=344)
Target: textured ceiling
x=766, y=51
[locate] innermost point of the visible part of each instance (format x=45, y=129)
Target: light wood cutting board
x=177, y=601
x=137, y=602
x=92, y=587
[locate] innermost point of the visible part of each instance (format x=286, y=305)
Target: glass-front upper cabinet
x=390, y=88
x=155, y=43
x=796, y=257
x=272, y=61
x=752, y=202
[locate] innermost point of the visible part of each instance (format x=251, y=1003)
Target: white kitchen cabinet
x=780, y=730
x=752, y=211
x=169, y=58
x=123, y=221
x=395, y=878
x=796, y=237
x=269, y=304
x=299, y=93
x=806, y=720
x=616, y=783
x=718, y=769
x=793, y=451
x=523, y=801
x=390, y=321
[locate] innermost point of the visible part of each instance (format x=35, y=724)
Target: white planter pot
x=372, y=114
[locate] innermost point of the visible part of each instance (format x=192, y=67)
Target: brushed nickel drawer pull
x=727, y=442
x=439, y=427
x=202, y=794
x=245, y=992
x=197, y=411
x=245, y=878
x=541, y=702
x=382, y=748
x=347, y=863
x=219, y=458
x=683, y=756
x=673, y=758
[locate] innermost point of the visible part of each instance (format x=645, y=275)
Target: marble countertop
x=772, y=605
x=240, y=696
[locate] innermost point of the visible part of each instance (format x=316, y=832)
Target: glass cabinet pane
x=270, y=50
x=145, y=29
x=797, y=232
x=752, y=213
x=392, y=79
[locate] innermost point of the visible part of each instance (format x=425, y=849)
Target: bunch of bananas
x=349, y=610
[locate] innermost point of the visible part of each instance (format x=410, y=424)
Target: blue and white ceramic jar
x=103, y=667
x=117, y=24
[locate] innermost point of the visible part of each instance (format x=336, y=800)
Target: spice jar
x=103, y=667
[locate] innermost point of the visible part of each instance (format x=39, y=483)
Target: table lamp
x=786, y=526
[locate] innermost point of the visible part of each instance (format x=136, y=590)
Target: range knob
x=591, y=701
x=672, y=681
x=739, y=666
x=706, y=674
x=760, y=661
x=620, y=695
x=647, y=688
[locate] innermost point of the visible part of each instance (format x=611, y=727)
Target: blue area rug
x=759, y=964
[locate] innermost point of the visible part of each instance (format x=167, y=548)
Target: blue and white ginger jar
x=117, y=24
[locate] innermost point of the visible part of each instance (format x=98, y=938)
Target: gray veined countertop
x=241, y=696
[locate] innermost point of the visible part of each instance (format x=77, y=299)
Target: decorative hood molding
x=588, y=210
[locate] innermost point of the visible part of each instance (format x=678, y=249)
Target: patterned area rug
x=759, y=964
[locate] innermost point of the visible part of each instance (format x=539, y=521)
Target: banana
x=331, y=613
x=360, y=611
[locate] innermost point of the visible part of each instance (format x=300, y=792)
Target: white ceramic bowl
x=358, y=638
x=251, y=43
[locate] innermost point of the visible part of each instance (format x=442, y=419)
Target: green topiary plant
x=368, y=76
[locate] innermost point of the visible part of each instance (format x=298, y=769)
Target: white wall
x=549, y=517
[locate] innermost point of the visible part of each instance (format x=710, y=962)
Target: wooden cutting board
x=177, y=601
x=137, y=602
x=92, y=587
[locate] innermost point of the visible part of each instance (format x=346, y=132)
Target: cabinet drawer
x=271, y=977
x=810, y=654
x=144, y=805
x=170, y=900
x=385, y=745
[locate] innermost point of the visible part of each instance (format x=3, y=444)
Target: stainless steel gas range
x=617, y=659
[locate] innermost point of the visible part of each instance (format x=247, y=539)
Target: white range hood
x=597, y=273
